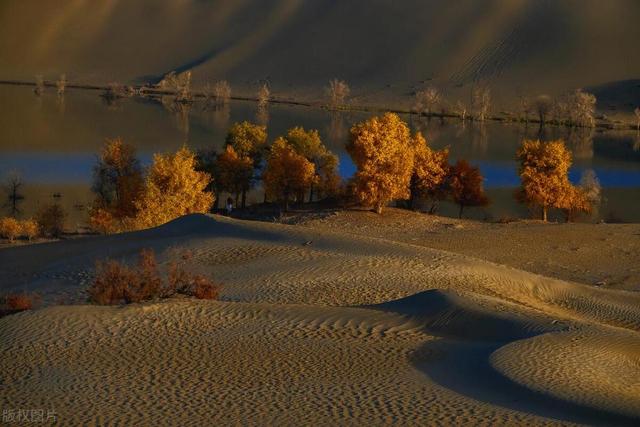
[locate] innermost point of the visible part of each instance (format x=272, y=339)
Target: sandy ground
x=318, y=325
x=606, y=255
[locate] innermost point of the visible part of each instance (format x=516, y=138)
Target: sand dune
x=318, y=327
x=384, y=49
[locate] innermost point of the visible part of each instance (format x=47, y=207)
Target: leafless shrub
x=114, y=92
x=480, y=102
x=61, y=84
x=460, y=109
x=591, y=187
x=222, y=92
x=582, y=107
x=427, y=101
x=12, y=185
x=179, y=83
x=264, y=95
x=543, y=106
x=39, y=90
x=337, y=92
x=524, y=108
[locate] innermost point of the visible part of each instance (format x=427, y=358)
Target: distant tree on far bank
x=480, y=102
x=264, y=95
x=544, y=172
x=382, y=150
x=287, y=174
x=427, y=100
x=466, y=186
x=543, y=106
x=337, y=92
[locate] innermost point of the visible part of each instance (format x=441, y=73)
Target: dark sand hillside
x=385, y=49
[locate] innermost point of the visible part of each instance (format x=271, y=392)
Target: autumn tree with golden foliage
x=9, y=228
x=573, y=202
x=29, y=229
x=381, y=148
x=173, y=187
x=287, y=174
x=248, y=141
x=544, y=172
x=466, y=186
x=234, y=173
x=117, y=184
x=430, y=170
x=309, y=145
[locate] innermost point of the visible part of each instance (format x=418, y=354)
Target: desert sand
x=384, y=49
x=319, y=325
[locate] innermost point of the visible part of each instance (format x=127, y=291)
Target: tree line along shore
x=572, y=109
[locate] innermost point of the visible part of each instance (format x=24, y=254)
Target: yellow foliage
x=173, y=187
x=9, y=228
x=287, y=173
x=574, y=201
x=29, y=228
x=248, y=140
x=430, y=167
x=382, y=150
x=309, y=145
x=234, y=172
x=544, y=170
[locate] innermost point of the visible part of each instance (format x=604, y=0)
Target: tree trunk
x=286, y=202
x=217, y=197
x=378, y=209
x=237, y=197
x=544, y=213
x=244, y=198
x=460, y=211
x=311, y=194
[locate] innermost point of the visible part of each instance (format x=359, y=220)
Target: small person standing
x=229, y=206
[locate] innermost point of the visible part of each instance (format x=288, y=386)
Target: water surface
x=52, y=141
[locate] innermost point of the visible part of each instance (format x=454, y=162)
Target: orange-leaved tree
x=287, y=174
x=248, y=141
x=117, y=183
x=573, y=202
x=234, y=172
x=173, y=187
x=430, y=170
x=544, y=172
x=309, y=145
x=465, y=185
x=382, y=150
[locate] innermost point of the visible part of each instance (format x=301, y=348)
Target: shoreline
x=601, y=125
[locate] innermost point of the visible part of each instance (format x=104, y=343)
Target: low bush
x=117, y=283
x=15, y=303
x=51, y=219
x=9, y=228
x=29, y=229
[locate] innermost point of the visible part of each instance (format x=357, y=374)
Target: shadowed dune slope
x=383, y=48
